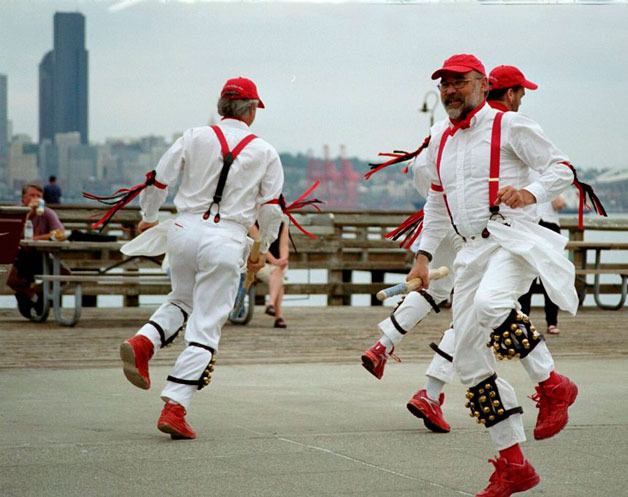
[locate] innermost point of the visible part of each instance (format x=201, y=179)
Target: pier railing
x=347, y=242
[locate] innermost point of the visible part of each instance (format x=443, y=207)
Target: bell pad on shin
x=485, y=404
x=206, y=375
x=516, y=337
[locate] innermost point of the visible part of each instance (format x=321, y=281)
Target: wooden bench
x=89, y=283
x=579, y=251
x=96, y=268
x=347, y=242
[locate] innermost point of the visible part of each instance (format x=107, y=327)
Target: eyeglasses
x=457, y=84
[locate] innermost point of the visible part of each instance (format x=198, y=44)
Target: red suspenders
x=493, y=178
x=228, y=156
x=439, y=188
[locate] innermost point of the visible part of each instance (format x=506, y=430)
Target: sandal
x=553, y=330
x=280, y=323
x=270, y=310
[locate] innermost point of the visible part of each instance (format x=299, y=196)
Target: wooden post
x=337, y=277
x=376, y=277
x=579, y=259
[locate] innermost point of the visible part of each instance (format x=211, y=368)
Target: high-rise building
x=63, y=96
x=22, y=161
x=46, y=98
x=4, y=126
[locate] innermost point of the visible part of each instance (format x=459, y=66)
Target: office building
x=4, y=126
x=63, y=80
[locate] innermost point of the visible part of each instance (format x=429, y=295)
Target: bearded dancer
x=504, y=250
x=508, y=86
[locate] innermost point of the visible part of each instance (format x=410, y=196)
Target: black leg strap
x=430, y=300
x=396, y=324
x=174, y=379
x=441, y=352
x=200, y=345
x=206, y=375
x=185, y=314
x=162, y=334
x=485, y=404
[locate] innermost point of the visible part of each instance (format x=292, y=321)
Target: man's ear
x=510, y=94
x=484, y=84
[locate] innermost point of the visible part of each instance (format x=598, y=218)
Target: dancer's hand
x=255, y=266
x=144, y=225
x=514, y=198
x=421, y=270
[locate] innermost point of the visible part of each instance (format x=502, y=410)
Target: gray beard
x=458, y=113
x=454, y=113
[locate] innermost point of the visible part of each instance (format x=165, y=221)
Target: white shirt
x=419, y=165
x=255, y=177
x=464, y=171
x=547, y=213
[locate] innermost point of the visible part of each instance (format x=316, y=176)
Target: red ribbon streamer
x=411, y=227
x=301, y=202
x=585, y=190
x=121, y=198
x=397, y=157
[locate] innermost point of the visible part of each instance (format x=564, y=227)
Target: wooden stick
x=254, y=256
x=413, y=284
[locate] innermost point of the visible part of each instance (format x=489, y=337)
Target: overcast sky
x=353, y=74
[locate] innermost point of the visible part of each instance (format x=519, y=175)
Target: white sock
x=434, y=387
x=386, y=342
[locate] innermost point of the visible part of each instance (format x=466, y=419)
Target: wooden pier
x=347, y=242
x=314, y=334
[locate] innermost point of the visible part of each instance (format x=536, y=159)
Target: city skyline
x=329, y=74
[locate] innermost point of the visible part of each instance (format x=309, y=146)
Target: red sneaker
x=509, y=478
x=553, y=402
x=172, y=421
x=135, y=354
x=425, y=408
x=374, y=359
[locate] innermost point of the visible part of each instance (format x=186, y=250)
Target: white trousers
x=415, y=307
x=538, y=363
x=488, y=282
x=205, y=260
x=441, y=368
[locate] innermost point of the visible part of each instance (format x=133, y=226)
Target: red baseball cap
x=241, y=89
x=507, y=77
x=461, y=63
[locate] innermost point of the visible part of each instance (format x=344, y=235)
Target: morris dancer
x=479, y=167
x=227, y=177
x=507, y=89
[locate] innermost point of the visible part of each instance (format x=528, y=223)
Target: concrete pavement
x=293, y=430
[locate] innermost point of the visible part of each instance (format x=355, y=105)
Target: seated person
x=28, y=263
x=273, y=273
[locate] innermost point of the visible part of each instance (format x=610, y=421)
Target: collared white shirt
x=464, y=172
x=255, y=177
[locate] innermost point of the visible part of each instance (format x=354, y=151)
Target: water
x=320, y=276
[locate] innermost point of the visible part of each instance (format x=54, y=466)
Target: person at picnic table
x=28, y=263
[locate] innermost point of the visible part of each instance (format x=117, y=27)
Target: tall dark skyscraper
x=4, y=122
x=63, y=99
